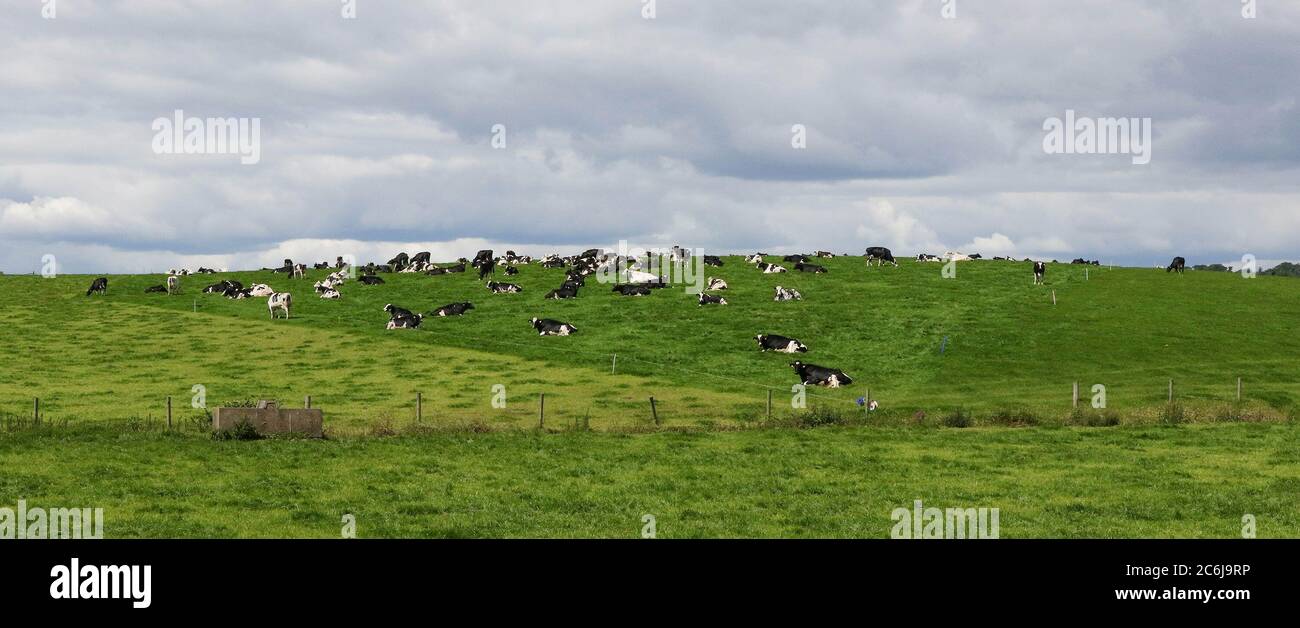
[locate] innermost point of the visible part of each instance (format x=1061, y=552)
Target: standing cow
x=1177, y=266
x=1040, y=272
x=99, y=285
x=173, y=284
x=880, y=255
x=279, y=301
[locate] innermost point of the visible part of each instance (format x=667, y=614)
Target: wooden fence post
x=541, y=412
x=419, y=408
x=36, y=411
x=769, y=404
x=169, y=412
x=1238, y=389
x=1171, y=391
x=654, y=411
x=306, y=402
x=1076, y=394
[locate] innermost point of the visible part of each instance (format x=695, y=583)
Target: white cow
x=173, y=284
x=715, y=284
x=783, y=294
x=279, y=300
x=260, y=290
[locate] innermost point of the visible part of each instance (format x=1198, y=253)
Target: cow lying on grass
x=783, y=294
x=709, y=299
x=503, y=288
x=549, y=327
x=773, y=342
x=813, y=375
x=453, y=309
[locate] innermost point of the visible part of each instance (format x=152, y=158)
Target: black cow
x=549, y=327
x=400, y=261
x=482, y=257
x=453, y=309
x=809, y=268
x=370, y=280
x=709, y=299
x=1040, y=271
x=773, y=342
x=567, y=291
x=795, y=259
x=503, y=288
x=155, y=289
x=631, y=290
x=511, y=271
x=1178, y=265
x=487, y=268
x=813, y=375
x=712, y=260
x=420, y=258
x=458, y=268
x=99, y=285
x=880, y=255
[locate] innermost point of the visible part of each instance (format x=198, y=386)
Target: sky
x=731, y=126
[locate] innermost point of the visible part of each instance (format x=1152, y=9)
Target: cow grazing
x=769, y=269
x=1179, y=265
x=773, y=342
x=712, y=260
x=371, y=280
x=503, y=288
x=453, y=309
x=632, y=290
x=279, y=301
x=709, y=299
x=155, y=289
x=880, y=255
x=715, y=284
x=549, y=327
x=173, y=285
x=809, y=268
x=1040, y=271
x=567, y=291
x=783, y=294
x=813, y=375
x=98, y=286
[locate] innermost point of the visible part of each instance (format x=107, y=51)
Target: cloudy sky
x=923, y=133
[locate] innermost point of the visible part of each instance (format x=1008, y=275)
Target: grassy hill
x=103, y=367
x=1010, y=352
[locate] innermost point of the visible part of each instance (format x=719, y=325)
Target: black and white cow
x=503, y=288
x=1040, y=272
x=400, y=261
x=370, y=280
x=709, y=299
x=880, y=255
x=404, y=322
x=511, y=271
x=756, y=258
x=422, y=257
x=715, y=283
x=321, y=266
x=398, y=312
x=155, y=289
x=769, y=269
x=454, y=309
x=99, y=285
x=279, y=301
x=926, y=257
x=813, y=375
x=330, y=293
x=567, y=291
x=1179, y=265
x=804, y=267
x=825, y=254
x=795, y=259
x=260, y=290
x=712, y=260
x=631, y=290
x=173, y=285
x=783, y=294
x=773, y=342
x=221, y=286
x=299, y=271
x=549, y=327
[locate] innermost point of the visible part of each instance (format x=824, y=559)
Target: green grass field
x=716, y=466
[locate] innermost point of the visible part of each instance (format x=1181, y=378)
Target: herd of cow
x=636, y=282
